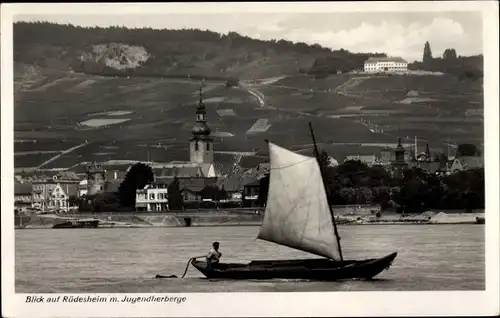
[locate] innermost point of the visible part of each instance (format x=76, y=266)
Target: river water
x=430, y=257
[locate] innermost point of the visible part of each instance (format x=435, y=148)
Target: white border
x=463, y=303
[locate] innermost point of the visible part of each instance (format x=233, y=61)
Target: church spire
x=201, y=95
x=200, y=128
x=201, y=143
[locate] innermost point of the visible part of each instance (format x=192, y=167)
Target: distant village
x=57, y=191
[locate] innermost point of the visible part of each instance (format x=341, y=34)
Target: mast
x=448, y=148
x=416, y=153
x=329, y=206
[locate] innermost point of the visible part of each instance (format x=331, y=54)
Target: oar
x=185, y=270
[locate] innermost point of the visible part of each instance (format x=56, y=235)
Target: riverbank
x=138, y=220
x=165, y=219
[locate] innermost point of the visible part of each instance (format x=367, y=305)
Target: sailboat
x=298, y=216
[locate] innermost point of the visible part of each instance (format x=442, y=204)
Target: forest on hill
x=120, y=51
x=462, y=67
x=151, y=52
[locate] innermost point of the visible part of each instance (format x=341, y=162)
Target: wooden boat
x=311, y=269
x=298, y=215
x=77, y=224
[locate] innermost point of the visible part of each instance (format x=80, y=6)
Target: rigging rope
x=185, y=270
x=187, y=266
x=193, y=258
x=242, y=247
x=293, y=164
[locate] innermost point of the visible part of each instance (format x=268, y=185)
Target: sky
x=400, y=34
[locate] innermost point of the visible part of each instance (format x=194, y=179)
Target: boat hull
x=77, y=225
x=310, y=269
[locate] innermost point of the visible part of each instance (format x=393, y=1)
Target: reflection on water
x=430, y=257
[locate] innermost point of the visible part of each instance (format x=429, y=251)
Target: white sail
x=297, y=213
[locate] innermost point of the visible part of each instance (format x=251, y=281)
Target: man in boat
x=214, y=255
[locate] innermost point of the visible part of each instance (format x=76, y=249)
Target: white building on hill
x=385, y=64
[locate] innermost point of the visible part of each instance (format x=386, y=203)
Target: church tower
x=96, y=178
x=399, y=164
x=201, y=143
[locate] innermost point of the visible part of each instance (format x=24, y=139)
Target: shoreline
x=243, y=225
x=167, y=220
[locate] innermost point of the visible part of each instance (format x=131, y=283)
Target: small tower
x=399, y=152
x=201, y=143
x=427, y=153
x=399, y=164
x=96, y=178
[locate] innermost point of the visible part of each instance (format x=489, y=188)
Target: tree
x=467, y=150
x=450, y=55
x=443, y=159
x=232, y=82
x=349, y=195
x=382, y=196
x=223, y=194
x=85, y=203
x=137, y=177
x=328, y=173
x=427, y=57
x=351, y=172
x=263, y=190
x=324, y=160
x=175, y=199
x=211, y=192
x=410, y=198
x=364, y=195
x=73, y=200
x=106, y=202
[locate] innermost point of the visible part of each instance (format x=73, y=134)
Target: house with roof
x=44, y=185
x=58, y=199
x=23, y=196
x=385, y=64
x=82, y=188
x=463, y=163
x=369, y=160
x=153, y=198
x=471, y=162
x=251, y=193
x=190, y=187
x=183, y=170
x=234, y=186
x=428, y=166
x=200, y=171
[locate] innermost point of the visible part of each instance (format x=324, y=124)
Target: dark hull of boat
x=310, y=269
x=480, y=220
x=77, y=225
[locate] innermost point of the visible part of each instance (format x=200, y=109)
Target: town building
x=369, y=160
x=96, y=179
x=23, y=196
x=399, y=164
x=463, y=163
x=53, y=192
x=201, y=144
x=200, y=171
x=192, y=189
x=251, y=193
x=100, y=180
x=58, y=199
x=385, y=64
x=153, y=198
x=82, y=188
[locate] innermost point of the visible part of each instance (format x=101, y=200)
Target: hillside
x=115, y=51
x=124, y=94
